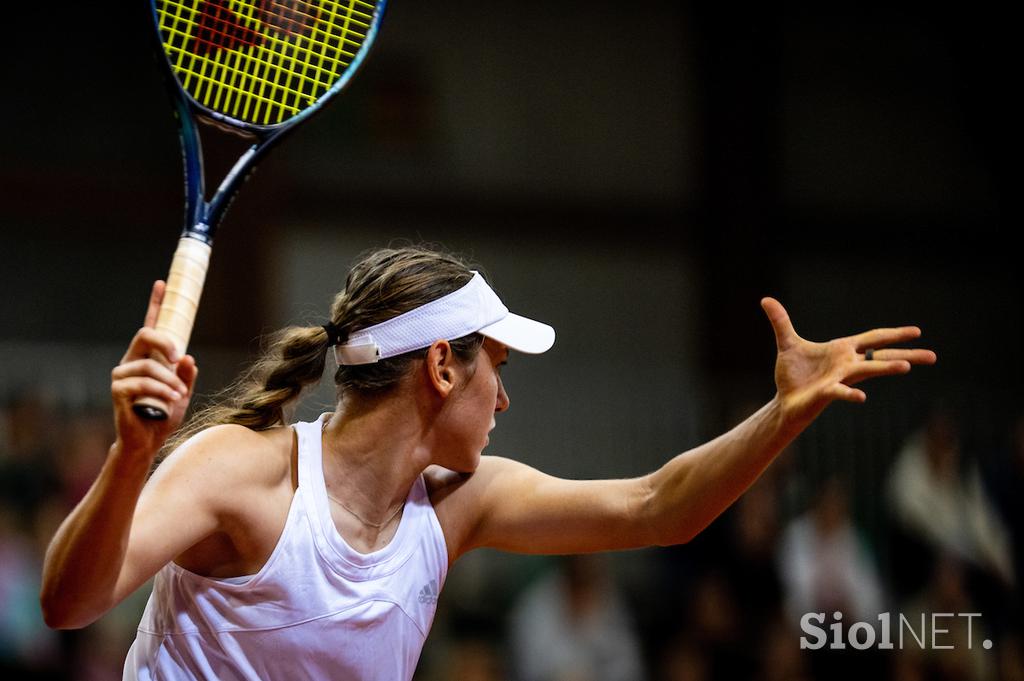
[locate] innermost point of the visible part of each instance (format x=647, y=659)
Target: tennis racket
x=254, y=67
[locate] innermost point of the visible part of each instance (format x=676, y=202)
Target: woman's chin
x=468, y=464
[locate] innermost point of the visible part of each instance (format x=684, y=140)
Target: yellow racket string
x=261, y=61
x=327, y=76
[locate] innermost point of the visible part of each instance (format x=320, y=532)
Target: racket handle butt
x=150, y=409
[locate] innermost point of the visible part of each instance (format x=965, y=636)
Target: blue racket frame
x=188, y=268
x=201, y=216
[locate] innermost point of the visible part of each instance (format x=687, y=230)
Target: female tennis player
x=318, y=550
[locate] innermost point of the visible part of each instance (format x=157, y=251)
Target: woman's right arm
x=113, y=541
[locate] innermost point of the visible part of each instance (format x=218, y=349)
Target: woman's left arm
x=510, y=506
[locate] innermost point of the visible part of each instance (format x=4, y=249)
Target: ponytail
x=294, y=359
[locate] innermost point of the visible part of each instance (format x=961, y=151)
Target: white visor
x=474, y=308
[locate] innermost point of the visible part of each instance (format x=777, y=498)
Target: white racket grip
x=184, y=288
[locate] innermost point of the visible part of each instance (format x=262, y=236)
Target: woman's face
x=473, y=404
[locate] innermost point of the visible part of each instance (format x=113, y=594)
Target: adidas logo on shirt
x=429, y=593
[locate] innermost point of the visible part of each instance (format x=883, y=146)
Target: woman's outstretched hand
x=139, y=375
x=808, y=376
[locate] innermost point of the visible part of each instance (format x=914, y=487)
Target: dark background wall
x=853, y=162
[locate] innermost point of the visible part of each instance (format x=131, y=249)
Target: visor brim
x=521, y=334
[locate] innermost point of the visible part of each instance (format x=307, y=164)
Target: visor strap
x=366, y=352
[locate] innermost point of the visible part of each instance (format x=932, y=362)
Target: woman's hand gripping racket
x=256, y=67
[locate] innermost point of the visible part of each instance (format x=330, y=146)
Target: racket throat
x=204, y=222
x=199, y=231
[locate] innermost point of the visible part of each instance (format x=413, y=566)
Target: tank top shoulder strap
x=309, y=439
x=415, y=519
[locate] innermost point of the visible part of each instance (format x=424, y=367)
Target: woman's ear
x=441, y=367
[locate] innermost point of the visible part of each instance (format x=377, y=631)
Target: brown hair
x=382, y=284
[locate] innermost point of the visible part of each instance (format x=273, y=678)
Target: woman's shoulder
x=457, y=498
x=441, y=482
x=231, y=453
x=241, y=479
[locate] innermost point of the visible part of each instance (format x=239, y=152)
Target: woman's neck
x=373, y=454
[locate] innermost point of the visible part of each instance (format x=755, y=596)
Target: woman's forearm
x=86, y=555
x=692, y=489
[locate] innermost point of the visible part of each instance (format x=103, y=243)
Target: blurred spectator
x=1007, y=481
x=683, y=660
x=781, y=658
x=715, y=624
x=721, y=594
x=27, y=646
x=947, y=592
x=940, y=506
x=751, y=565
x=27, y=467
x=27, y=481
x=37, y=495
x=1011, y=657
x=475, y=659
x=89, y=438
x=573, y=625
x=825, y=566
x=711, y=637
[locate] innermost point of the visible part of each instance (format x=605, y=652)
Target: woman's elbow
x=675, y=536
x=53, y=615
x=59, y=612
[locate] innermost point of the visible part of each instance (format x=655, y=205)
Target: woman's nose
x=502, y=402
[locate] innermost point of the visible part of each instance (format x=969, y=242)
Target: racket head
x=259, y=66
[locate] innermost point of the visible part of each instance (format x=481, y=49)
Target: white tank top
x=318, y=609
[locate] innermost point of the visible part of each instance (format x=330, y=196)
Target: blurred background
x=638, y=176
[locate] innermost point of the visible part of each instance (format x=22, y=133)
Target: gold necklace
x=323, y=429
x=363, y=520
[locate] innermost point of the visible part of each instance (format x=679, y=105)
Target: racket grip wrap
x=178, y=310
x=184, y=288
